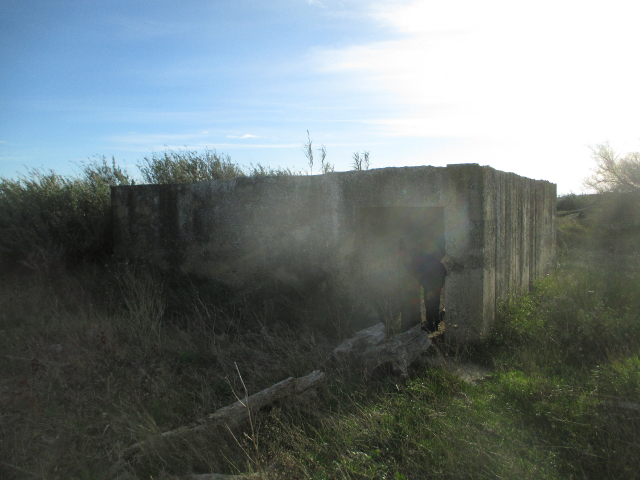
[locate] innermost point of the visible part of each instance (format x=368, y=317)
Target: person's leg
x=432, y=307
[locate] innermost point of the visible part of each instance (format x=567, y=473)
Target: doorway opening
x=401, y=249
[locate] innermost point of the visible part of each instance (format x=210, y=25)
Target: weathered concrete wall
x=342, y=230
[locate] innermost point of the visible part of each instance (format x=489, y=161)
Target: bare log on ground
x=234, y=416
x=222, y=476
x=625, y=405
x=371, y=348
x=367, y=350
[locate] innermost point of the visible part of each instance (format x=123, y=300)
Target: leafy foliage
x=571, y=201
x=47, y=218
x=190, y=166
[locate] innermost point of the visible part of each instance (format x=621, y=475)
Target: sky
x=525, y=87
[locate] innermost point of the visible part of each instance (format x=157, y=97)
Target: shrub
x=261, y=171
x=47, y=218
x=188, y=166
x=569, y=202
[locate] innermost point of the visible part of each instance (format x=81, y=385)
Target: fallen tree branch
x=625, y=405
x=233, y=416
x=222, y=476
x=564, y=213
x=371, y=348
x=367, y=350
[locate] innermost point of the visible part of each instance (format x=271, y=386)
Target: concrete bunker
x=340, y=233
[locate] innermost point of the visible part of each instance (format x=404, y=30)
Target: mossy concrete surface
x=336, y=236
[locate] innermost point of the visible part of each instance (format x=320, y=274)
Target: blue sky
x=525, y=87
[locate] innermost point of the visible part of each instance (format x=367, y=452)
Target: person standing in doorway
x=426, y=270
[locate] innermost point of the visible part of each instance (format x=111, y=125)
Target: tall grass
x=46, y=218
x=126, y=369
x=184, y=166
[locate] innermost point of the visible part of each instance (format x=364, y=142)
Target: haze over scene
x=524, y=87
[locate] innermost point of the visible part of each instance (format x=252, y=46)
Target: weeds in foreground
x=126, y=370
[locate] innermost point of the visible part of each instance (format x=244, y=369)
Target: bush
x=46, y=218
x=188, y=166
x=583, y=315
x=260, y=171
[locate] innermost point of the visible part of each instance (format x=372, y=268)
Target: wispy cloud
x=484, y=69
x=524, y=87
x=246, y=135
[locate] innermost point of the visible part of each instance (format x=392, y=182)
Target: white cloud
x=476, y=68
x=246, y=135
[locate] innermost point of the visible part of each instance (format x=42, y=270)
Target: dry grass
x=125, y=372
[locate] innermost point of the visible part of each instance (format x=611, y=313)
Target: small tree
x=612, y=172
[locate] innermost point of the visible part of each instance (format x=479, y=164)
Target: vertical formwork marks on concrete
x=169, y=226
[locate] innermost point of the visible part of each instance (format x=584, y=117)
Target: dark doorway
x=388, y=239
